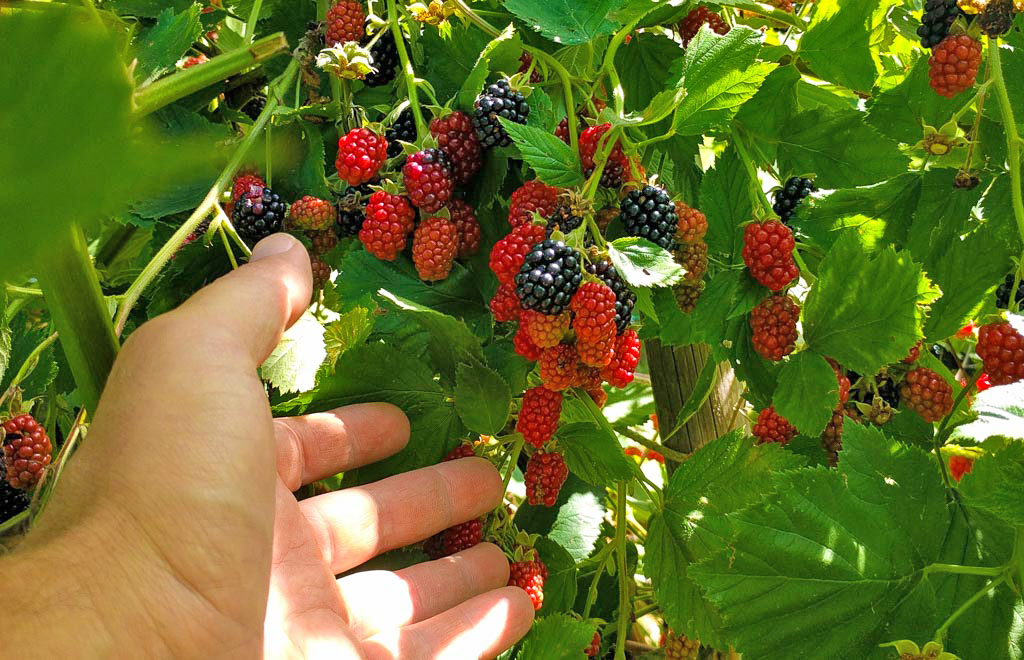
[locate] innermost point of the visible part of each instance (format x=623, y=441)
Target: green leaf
x=451, y=342
x=837, y=46
x=865, y=312
x=560, y=585
x=310, y=177
x=555, y=163
x=647, y=61
x=942, y=216
x=397, y=378
x=725, y=200
x=728, y=474
x=501, y=54
x=642, y=263
x=996, y=484
x=1000, y=413
x=818, y=567
x=482, y=398
x=451, y=60
x=165, y=43
x=557, y=636
x=293, y=365
x=349, y=331
x=593, y=454
x=719, y=74
x=574, y=522
x=542, y=111
x=807, y=392
x=900, y=111
x=840, y=148
x=773, y=106
x=567, y=21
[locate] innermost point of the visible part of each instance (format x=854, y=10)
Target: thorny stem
x=408, y=74
x=625, y=604
x=1013, y=139
x=209, y=202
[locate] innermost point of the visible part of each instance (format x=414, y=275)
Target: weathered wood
x=674, y=372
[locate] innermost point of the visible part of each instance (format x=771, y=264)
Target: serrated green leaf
x=162, y=45
x=451, y=60
x=557, y=636
x=500, y=54
x=293, y=364
x=996, y=484
x=567, y=21
x=900, y=111
x=310, y=177
x=819, y=566
x=649, y=60
x=942, y=216
x=482, y=398
x=837, y=46
x=574, y=522
x=725, y=200
x=555, y=163
x=719, y=74
x=722, y=477
x=866, y=311
x=840, y=148
x=349, y=331
x=773, y=106
x=592, y=454
x=644, y=264
x=542, y=111
x=560, y=586
x=807, y=392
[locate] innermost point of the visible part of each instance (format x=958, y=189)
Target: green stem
x=1013, y=140
x=24, y=291
x=608, y=141
x=408, y=74
x=759, y=198
x=1017, y=560
x=178, y=85
x=608, y=66
x=774, y=14
x=600, y=557
x=804, y=270
x=513, y=459
x=645, y=610
x=625, y=603
x=209, y=203
x=80, y=312
x=638, y=438
x=227, y=247
x=254, y=18
x=985, y=571
x=981, y=593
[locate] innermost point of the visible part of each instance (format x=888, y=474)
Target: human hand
x=171, y=532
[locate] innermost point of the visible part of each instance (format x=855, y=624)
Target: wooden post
x=674, y=371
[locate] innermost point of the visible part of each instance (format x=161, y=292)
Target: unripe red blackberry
x=525, y=347
x=594, y=306
x=681, y=647
x=768, y=253
x=832, y=436
x=529, y=197
x=429, y=179
x=625, y=299
x=1001, y=349
x=27, y=451
x=615, y=166
x=773, y=322
x=508, y=253
x=321, y=272
x=505, y=304
x=690, y=26
x=595, y=645
x=545, y=474
x=243, y=183
x=464, y=450
x=435, y=245
x=773, y=427
x=344, y=22
x=692, y=225
x=312, y=213
x=545, y=330
x=927, y=393
x=597, y=352
x=959, y=466
x=361, y=152
x=389, y=219
x=559, y=367
x=687, y=295
x=693, y=257
x=464, y=219
x=462, y=536
x=619, y=373
x=456, y=138
x=529, y=576
x=953, y=66
x=538, y=415
x=525, y=60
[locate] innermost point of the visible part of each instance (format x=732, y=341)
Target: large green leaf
x=728, y=474
x=996, y=484
x=725, y=200
x=501, y=54
x=560, y=586
x=642, y=263
x=557, y=636
x=567, y=21
x=293, y=364
x=647, y=61
x=837, y=46
x=772, y=107
x=819, y=566
x=898, y=112
x=807, y=392
x=482, y=398
x=840, y=148
x=719, y=74
x=593, y=454
x=866, y=311
x=1000, y=412
x=574, y=522
x=162, y=45
x=555, y=163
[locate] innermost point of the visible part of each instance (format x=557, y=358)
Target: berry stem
x=209, y=203
x=80, y=313
x=227, y=247
x=1013, y=139
x=625, y=602
x=758, y=198
x=408, y=73
x=775, y=14
x=536, y=53
x=945, y=430
x=985, y=571
x=513, y=453
x=600, y=160
x=940, y=634
x=600, y=558
x=638, y=438
x=178, y=85
x=805, y=272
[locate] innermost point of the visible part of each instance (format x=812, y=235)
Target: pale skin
x=173, y=531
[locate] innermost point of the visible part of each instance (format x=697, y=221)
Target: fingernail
x=271, y=245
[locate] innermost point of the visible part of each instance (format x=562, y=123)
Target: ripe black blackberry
x=403, y=129
x=254, y=107
x=565, y=218
x=625, y=299
x=12, y=500
x=649, y=213
x=258, y=215
x=997, y=19
x=935, y=22
x=498, y=100
x=384, y=52
x=945, y=356
x=352, y=210
x=1003, y=292
x=549, y=277
x=790, y=196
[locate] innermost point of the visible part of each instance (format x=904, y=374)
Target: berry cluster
x=773, y=322
x=690, y=26
x=773, y=427
x=788, y=198
x=27, y=451
x=768, y=253
x=1001, y=349
x=953, y=66
x=498, y=100
x=680, y=647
